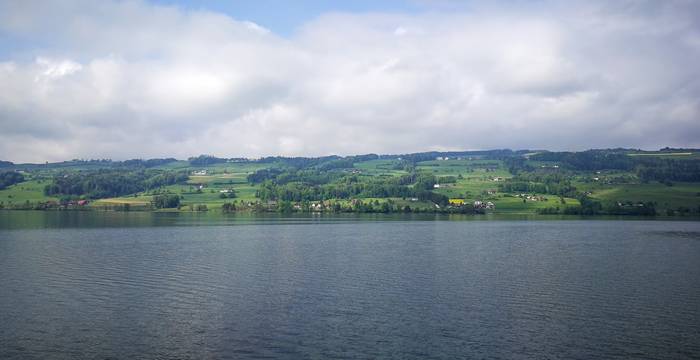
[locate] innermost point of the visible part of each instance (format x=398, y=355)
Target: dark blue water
x=113, y=287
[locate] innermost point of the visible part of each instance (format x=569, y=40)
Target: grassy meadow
x=32, y=191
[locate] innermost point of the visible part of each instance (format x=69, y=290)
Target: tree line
x=647, y=168
x=8, y=178
x=106, y=183
x=305, y=185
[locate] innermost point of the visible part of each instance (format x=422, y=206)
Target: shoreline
x=418, y=216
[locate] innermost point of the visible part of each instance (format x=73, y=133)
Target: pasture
x=32, y=191
x=665, y=197
x=380, y=167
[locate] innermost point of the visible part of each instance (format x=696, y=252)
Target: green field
x=665, y=197
x=477, y=177
x=507, y=204
x=677, y=155
x=32, y=191
x=379, y=167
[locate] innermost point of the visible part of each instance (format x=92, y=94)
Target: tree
x=228, y=207
x=166, y=201
x=8, y=178
x=285, y=207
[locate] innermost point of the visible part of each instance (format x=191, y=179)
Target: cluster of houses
x=531, y=197
x=70, y=203
x=199, y=172
x=485, y=205
x=78, y=203
x=443, y=158
x=314, y=206
x=322, y=206
x=478, y=204
x=318, y=206
x=630, y=204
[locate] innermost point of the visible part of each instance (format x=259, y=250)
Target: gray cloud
x=130, y=79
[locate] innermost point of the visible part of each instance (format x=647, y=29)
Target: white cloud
x=55, y=69
x=130, y=79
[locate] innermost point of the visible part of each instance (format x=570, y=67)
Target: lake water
x=111, y=285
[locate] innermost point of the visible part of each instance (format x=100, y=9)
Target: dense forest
x=647, y=168
x=8, y=178
x=111, y=183
x=313, y=185
x=542, y=183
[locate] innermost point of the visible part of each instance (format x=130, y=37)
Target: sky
x=144, y=79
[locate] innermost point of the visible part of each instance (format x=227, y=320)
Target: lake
x=185, y=286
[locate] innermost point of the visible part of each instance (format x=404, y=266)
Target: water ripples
x=353, y=290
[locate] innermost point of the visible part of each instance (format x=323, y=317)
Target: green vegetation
x=109, y=183
x=593, y=182
x=166, y=201
x=8, y=178
x=18, y=195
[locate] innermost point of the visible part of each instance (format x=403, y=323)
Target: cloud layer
x=131, y=79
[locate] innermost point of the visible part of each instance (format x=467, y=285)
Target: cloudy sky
x=128, y=79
